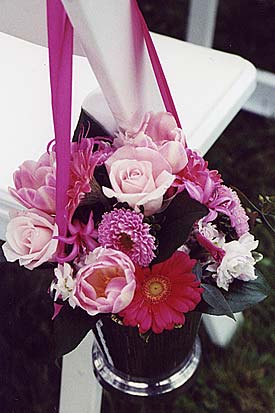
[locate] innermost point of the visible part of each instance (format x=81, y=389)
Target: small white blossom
x=238, y=262
x=184, y=248
x=65, y=283
x=210, y=232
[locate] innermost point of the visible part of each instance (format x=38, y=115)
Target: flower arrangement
x=152, y=233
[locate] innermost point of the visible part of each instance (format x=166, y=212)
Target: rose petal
x=175, y=154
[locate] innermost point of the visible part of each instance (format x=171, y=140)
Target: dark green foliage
x=179, y=218
x=217, y=304
x=241, y=295
x=70, y=327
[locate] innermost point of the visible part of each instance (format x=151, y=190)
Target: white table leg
x=202, y=22
x=221, y=329
x=80, y=391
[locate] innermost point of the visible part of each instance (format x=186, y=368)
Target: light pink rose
x=35, y=184
x=159, y=131
x=139, y=176
x=106, y=283
x=162, y=127
x=30, y=238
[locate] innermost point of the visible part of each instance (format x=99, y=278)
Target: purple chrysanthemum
x=226, y=201
x=123, y=230
x=239, y=217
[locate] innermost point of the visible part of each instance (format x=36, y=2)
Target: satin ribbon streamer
x=160, y=76
x=60, y=42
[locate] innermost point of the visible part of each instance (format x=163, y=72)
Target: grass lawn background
x=238, y=379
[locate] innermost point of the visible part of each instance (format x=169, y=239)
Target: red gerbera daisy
x=163, y=294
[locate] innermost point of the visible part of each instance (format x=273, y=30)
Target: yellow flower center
x=156, y=289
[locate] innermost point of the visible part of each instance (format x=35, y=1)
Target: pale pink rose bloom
x=139, y=176
x=162, y=127
x=35, y=183
x=106, y=283
x=30, y=238
x=159, y=131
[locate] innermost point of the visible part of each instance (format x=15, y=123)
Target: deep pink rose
x=159, y=131
x=35, y=184
x=106, y=283
x=139, y=176
x=30, y=238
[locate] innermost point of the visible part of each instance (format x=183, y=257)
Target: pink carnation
x=206, y=187
x=163, y=294
x=123, y=230
x=197, y=179
x=35, y=184
x=226, y=201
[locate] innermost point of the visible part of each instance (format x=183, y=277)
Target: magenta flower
x=197, y=179
x=226, y=201
x=35, y=184
x=216, y=252
x=206, y=187
x=83, y=239
x=83, y=163
x=123, y=230
x=106, y=283
x=163, y=294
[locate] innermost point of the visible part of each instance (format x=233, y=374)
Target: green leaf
x=241, y=295
x=214, y=298
x=244, y=294
x=197, y=270
x=180, y=216
x=70, y=327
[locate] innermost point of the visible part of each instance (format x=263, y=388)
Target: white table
x=209, y=88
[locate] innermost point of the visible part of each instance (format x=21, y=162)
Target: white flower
x=65, y=283
x=210, y=232
x=238, y=262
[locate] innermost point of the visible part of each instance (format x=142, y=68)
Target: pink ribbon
x=159, y=73
x=60, y=42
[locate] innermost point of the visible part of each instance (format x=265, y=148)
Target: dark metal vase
x=145, y=368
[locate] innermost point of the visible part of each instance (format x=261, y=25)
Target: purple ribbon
x=60, y=42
